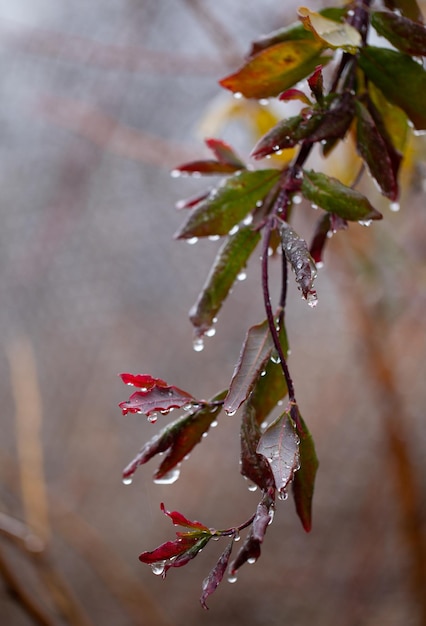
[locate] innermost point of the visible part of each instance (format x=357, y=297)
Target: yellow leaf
x=333, y=34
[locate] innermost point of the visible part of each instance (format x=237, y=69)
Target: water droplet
x=238, y=95
x=237, y=536
x=232, y=578
x=242, y=276
x=268, y=156
x=230, y=413
x=297, y=199
x=264, y=425
x=279, y=152
x=175, y=173
x=275, y=148
x=259, y=203
x=248, y=220
x=314, y=206
x=280, y=402
x=319, y=264
x=204, y=435
x=271, y=516
x=192, y=240
x=214, y=237
x=251, y=560
x=213, y=424
x=196, y=174
x=394, y=206
x=158, y=568
x=263, y=373
x=198, y=344
x=365, y=222
x=252, y=487
x=187, y=407
x=127, y=480
x=169, y=478
x=234, y=230
x=152, y=418
x=264, y=102
x=275, y=358
x=214, y=320
x=210, y=332
x=282, y=494
x=312, y=299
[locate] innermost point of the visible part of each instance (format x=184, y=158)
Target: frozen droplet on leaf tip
x=127, y=480
x=198, y=344
x=169, y=478
x=158, y=568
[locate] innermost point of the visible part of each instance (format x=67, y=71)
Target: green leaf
x=230, y=260
x=377, y=152
x=330, y=33
x=394, y=118
x=293, y=32
x=255, y=353
x=228, y=204
x=304, y=479
x=408, y=8
x=402, y=80
x=276, y=69
x=404, y=34
x=332, y=196
x=279, y=444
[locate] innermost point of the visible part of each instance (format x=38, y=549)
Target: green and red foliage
x=375, y=94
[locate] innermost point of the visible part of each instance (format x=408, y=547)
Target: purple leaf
x=180, y=520
x=279, y=444
x=156, y=399
x=224, y=153
x=250, y=550
x=255, y=353
x=207, y=167
x=253, y=465
x=213, y=580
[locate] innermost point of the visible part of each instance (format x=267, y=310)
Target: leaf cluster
x=376, y=95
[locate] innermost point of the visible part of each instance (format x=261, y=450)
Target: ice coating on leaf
x=279, y=444
x=303, y=265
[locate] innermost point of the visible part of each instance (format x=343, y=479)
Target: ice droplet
x=232, y=578
x=271, y=516
x=204, y=435
x=259, y=203
x=198, y=344
x=242, y=276
x=169, y=478
x=394, y=206
x=158, y=568
x=127, y=480
x=192, y=240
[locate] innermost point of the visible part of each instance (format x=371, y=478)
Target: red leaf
x=294, y=94
x=250, y=550
x=189, y=203
x=169, y=549
x=160, y=397
x=143, y=381
x=208, y=167
x=224, y=153
x=297, y=254
x=180, y=520
x=215, y=577
x=316, y=83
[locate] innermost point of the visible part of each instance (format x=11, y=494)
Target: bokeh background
x=99, y=101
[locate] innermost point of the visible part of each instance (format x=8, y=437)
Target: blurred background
x=99, y=101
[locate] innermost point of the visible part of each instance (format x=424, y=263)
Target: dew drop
x=230, y=413
x=237, y=536
x=242, y=276
x=169, y=478
x=264, y=425
x=214, y=238
x=192, y=240
x=314, y=206
x=394, y=206
x=234, y=230
x=279, y=152
x=210, y=332
x=297, y=199
x=251, y=560
x=152, y=418
x=127, y=480
x=319, y=264
x=275, y=359
x=268, y=156
x=198, y=344
x=238, y=95
x=252, y=487
x=232, y=578
x=158, y=568
x=204, y=435
x=248, y=220
x=213, y=424
x=187, y=407
x=263, y=373
x=175, y=173
x=271, y=516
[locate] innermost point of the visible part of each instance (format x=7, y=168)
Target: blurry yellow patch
x=331, y=33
